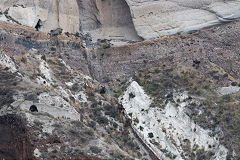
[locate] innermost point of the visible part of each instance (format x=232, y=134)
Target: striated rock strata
x=87, y=99
x=120, y=20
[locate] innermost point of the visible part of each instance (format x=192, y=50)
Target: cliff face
x=52, y=14
x=103, y=19
x=81, y=94
x=64, y=96
x=120, y=21
x=153, y=19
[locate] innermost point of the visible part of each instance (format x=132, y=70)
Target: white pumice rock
x=7, y=61
x=37, y=153
x=229, y=90
x=171, y=127
x=131, y=20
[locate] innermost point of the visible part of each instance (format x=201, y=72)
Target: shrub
x=102, y=120
x=110, y=111
x=75, y=87
x=89, y=132
x=95, y=149
x=24, y=60
x=92, y=124
x=226, y=98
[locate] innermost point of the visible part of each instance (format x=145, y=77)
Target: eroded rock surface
x=64, y=114
x=103, y=19
x=68, y=93
x=120, y=21
x=15, y=143
x=158, y=18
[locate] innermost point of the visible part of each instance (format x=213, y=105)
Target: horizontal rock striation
x=102, y=19
x=122, y=20
x=157, y=18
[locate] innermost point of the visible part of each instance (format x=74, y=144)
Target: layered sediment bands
x=120, y=20
x=157, y=18
x=217, y=47
x=109, y=19
x=14, y=138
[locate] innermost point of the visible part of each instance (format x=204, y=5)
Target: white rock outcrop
x=121, y=19
x=156, y=18
x=7, y=61
x=228, y=90
x=52, y=13
x=170, y=130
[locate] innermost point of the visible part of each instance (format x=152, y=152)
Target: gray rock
x=229, y=90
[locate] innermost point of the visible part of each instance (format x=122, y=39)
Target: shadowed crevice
x=14, y=138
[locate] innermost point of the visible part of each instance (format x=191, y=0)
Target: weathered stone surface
x=158, y=18
x=228, y=90
x=103, y=19
x=121, y=20
x=213, y=55
x=52, y=13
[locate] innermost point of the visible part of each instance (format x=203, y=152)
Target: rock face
x=158, y=18
x=14, y=138
x=53, y=14
x=120, y=20
x=103, y=19
x=170, y=127
x=67, y=97
x=109, y=19
x=64, y=112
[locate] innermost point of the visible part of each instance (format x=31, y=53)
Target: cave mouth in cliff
x=38, y=25
x=14, y=142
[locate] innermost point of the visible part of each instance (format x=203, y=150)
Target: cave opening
x=38, y=25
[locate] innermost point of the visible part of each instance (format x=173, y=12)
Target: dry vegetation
x=218, y=110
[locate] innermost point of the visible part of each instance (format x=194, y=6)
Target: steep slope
x=75, y=101
x=68, y=114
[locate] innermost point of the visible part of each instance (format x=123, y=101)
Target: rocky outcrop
x=157, y=18
x=167, y=130
x=103, y=19
x=67, y=114
x=121, y=21
x=63, y=79
x=50, y=14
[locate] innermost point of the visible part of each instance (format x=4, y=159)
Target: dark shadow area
x=14, y=143
x=38, y=25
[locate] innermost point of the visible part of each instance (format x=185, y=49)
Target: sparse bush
x=102, y=120
x=95, y=149
x=43, y=57
x=89, y=132
x=226, y=98
x=110, y=111
x=75, y=87
x=91, y=96
x=77, y=123
x=24, y=60
x=92, y=124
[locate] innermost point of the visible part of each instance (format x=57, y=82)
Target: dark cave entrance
x=38, y=25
